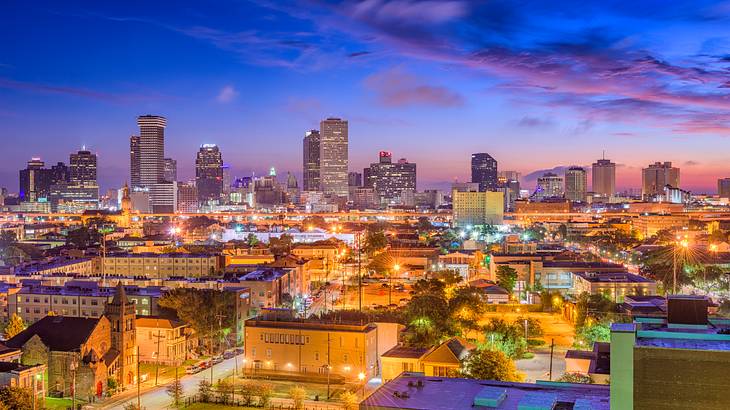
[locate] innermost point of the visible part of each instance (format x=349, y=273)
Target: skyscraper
x=390, y=179
x=227, y=179
x=134, y=162
x=354, y=179
x=310, y=162
x=170, y=170
x=576, y=184
x=603, y=178
x=209, y=173
x=723, y=188
x=549, y=185
x=82, y=166
x=151, y=149
x=656, y=176
x=34, y=181
x=333, y=156
x=484, y=171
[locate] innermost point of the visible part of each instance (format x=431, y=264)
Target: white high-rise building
x=603, y=178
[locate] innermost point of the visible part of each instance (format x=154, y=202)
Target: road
x=157, y=398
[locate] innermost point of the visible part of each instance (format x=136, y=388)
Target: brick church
x=95, y=351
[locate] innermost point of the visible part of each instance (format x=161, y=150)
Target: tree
x=466, y=306
x=225, y=390
x=287, y=300
x=534, y=328
x=427, y=317
x=16, y=398
x=15, y=325
x=575, y=378
x=375, y=240
x=175, y=391
x=506, y=277
x=264, y=392
x=82, y=238
x=111, y=386
x=490, y=365
x=282, y=245
x=252, y=240
x=297, y=394
x=590, y=333
x=349, y=400
x=450, y=277
x=204, y=391
x=200, y=308
x=508, y=338
x=248, y=392
x=423, y=224
x=315, y=222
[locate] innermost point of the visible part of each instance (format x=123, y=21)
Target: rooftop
x=406, y=352
x=612, y=277
x=416, y=391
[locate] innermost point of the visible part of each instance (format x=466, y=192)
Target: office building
x=187, y=197
x=60, y=173
x=333, y=156
x=656, y=176
x=603, y=178
x=209, y=173
x=134, y=163
x=34, y=181
x=82, y=165
x=723, y=188
x=549, y=185
x=170, y=170
x=576, y=184
x=160, y=266
x=310, y=162
x=227, y=181
x=484, y=171
x=151, y=149
x=389, y=179
x=477, y=208
x=354, y=179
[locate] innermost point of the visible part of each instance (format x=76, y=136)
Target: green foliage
x=224, y=388
x=490, y=365
x=534, y=328
x=256, y=393
x=506, y=337
x=252, y=240
x=575, y=378
x=423, y=224
x=175, y=391
x=82, y=237
x=449, y=277
x=200, y=308
x=349, y=400
x=297, y=394
x=16, y=398
x=595, y=307
x=204, y=391
x=375, y=240
x=111, y=385
x=466, y=307
x=14, y=326
x=282, y=245
x=427, y=316
x=506, y=277
x=590, y=333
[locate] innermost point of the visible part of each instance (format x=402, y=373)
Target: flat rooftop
x=451, y=394
x=612, y=277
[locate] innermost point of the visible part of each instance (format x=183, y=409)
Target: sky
x=540, y=85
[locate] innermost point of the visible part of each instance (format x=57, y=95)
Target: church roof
x=58, y=333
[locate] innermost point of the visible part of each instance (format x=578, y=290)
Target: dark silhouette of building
x=484, y=171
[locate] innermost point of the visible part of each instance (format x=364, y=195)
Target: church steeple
x=122, y=316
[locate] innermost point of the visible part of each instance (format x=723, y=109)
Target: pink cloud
x=396, y=87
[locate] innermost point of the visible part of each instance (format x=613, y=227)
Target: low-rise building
x=29, y=377
x=647, y=225
x=162, y=266
x=311, y=347
x=162, y=340
x=613, y=285
x=418, y=391
x=444, y=360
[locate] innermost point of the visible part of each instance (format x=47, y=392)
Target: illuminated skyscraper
x=82, y=165
x=549, y=185
x=576, y=182
x=333, y=156
x=390, y=179
x=656, y=176
x=151, y=149
x=35, y=181
x=209, y=173
x=603, y=178
x=134, y=162
x=310, y=161
x=484, y=171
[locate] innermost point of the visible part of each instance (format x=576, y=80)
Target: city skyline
x=400, y=89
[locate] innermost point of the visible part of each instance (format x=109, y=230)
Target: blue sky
x=537, y=84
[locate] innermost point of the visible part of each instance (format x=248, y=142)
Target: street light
x=396, y=268
x=361, y=377
x=680, y=245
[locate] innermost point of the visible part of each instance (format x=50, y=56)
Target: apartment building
x=162, y=266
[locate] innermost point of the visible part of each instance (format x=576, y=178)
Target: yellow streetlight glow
x=396, y=267
x=361, y=376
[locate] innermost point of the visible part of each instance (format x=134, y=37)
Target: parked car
x=229, y=354
x=217, y=359
x=192, y=369
x=239, y=350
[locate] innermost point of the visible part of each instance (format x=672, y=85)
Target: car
x=385, y=285
x=203, y=365
x=192, y=369
x=217, y=359
x=228, y=355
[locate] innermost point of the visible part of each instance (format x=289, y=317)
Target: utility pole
x=158, y=336
x=329, y=368
x=359, y=272
x=139, y=386
x=552, y=347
